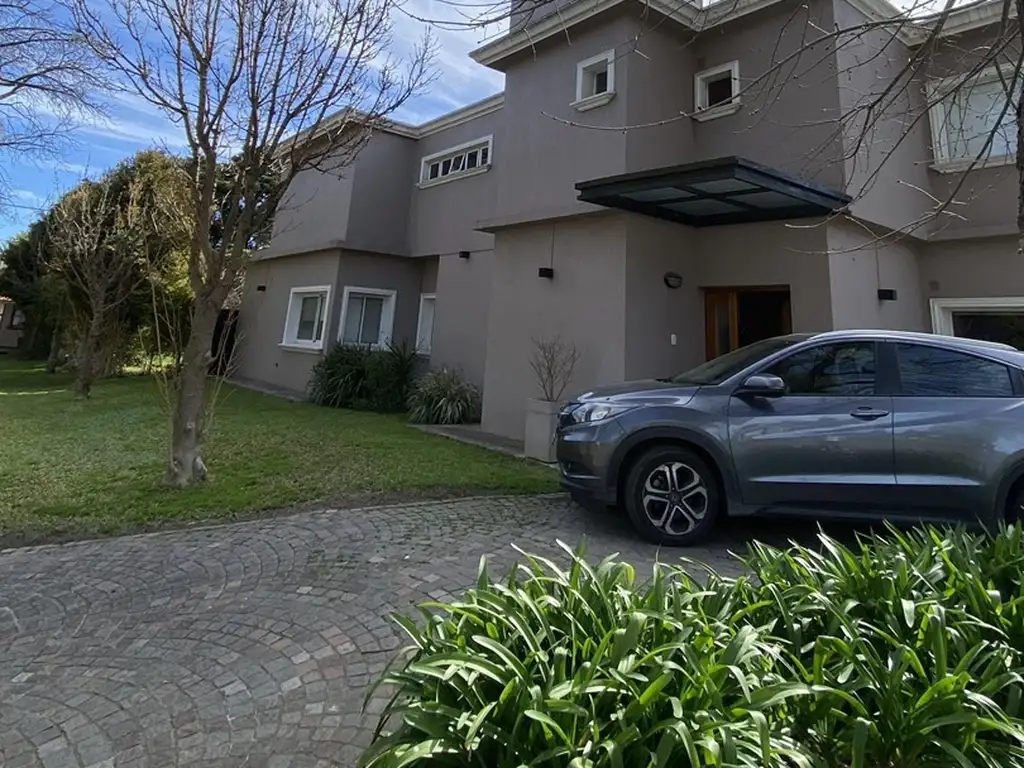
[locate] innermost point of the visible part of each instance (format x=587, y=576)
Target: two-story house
x=658, y=185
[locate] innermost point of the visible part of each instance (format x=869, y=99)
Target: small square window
x=466, y=159
x=457, y=163
x=717, y=91
x=472, y=159
x=595, y=78
x=446, y=167
x=435, y=170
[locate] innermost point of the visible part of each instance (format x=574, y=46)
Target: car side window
x=935, y=372
x=846, y=370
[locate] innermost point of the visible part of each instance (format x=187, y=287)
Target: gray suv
x=858, y=425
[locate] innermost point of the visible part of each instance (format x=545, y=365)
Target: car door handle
x=867, y=413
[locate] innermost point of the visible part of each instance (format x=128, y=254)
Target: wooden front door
x=735, y=317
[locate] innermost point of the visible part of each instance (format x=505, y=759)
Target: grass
x=71, y=468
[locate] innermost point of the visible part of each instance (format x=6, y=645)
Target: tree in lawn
x=107, y=240
x=279, y=87
x=47, y=80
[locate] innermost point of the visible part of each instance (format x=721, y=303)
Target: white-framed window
x=716, y=91
x=425, y=325
x=595, y=81
x=306, y=317
x=965, y=113
x=467, y=159
x=367, y=316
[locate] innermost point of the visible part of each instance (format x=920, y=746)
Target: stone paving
x=250, y=644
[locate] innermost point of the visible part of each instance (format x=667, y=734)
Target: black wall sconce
x=261, y=288
x=463, y=254
x=887, y=294
x=546, y=272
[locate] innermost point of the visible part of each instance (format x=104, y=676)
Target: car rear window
x=935, y=372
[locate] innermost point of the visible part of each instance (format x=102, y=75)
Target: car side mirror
x=762, y=385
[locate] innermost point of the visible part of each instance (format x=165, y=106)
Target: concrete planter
x=541, y=421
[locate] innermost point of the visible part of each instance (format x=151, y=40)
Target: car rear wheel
x=1015, y=504
x=672, y=496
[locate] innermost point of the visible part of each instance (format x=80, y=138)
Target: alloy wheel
x=675, y=498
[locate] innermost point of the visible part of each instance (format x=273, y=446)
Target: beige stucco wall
x=261, y=358
x=383, y=176
x=314, y=212
x=584, y=304
x=860, y=263
x=461, y=314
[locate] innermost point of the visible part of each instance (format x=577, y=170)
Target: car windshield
x=721, y=368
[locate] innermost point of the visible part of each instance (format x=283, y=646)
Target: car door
x=827, y=443
x=957, y=420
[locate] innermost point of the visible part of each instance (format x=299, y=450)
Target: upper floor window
x=965, y=114
x=716, y=91
x=464, y=160
x=595, y=81
x=307, y=312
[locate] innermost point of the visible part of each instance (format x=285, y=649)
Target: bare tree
x=553, y=362
x=277, y=87
x=84, y=229
x=46, y=80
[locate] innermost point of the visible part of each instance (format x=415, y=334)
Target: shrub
x=895, y=652
x=443, y=397
x=352, y=376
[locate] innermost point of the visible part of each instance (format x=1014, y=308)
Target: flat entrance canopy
x=728, y=190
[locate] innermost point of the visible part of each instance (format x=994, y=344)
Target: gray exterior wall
x=259, y=354
x=584, y=304
x=860, y=262
x=378, y=220
x=462, y=314
x=443, y=216
x=976, y=268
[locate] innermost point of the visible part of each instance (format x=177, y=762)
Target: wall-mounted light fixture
x=261, y=288
x=546, y=272
x=887, y=294
x=463, y=254
x=673, y=279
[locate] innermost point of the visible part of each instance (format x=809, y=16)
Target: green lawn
x=72, y=468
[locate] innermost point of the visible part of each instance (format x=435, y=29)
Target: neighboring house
x=11, y=321
x=533, y=213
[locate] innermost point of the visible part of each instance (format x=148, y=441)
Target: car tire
x=672, y=496
x=1015, y=504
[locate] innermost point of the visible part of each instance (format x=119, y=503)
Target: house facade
x=658, y=185
x=11, y=322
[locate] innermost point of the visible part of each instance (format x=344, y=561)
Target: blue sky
x=130, y=124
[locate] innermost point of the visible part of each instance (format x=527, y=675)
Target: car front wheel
x=672, y=496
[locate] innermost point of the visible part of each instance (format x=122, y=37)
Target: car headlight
x=587, y=413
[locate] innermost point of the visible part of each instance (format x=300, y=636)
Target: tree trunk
x=187, y=465
x=88, y=353
x=53, y=359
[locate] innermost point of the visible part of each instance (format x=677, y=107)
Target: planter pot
x=541, y=421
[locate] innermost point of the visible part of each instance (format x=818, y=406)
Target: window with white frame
x=307, y=313
x=595, y=81
x=464, y=160
x=367, y=316
x=425, y=326
x=716, y=91
x=965, y=114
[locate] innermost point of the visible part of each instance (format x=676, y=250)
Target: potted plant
x=553, y=362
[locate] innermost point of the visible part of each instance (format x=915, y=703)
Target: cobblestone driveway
x=249, y=644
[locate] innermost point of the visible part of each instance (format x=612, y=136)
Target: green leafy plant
x=900, y=651
x=444, y=397
x=359, y=377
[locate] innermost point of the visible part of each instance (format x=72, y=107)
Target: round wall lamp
x=673, y=279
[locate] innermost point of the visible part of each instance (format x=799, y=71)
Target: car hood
x=644, y=391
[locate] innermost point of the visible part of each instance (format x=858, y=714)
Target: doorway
x=736, y=317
